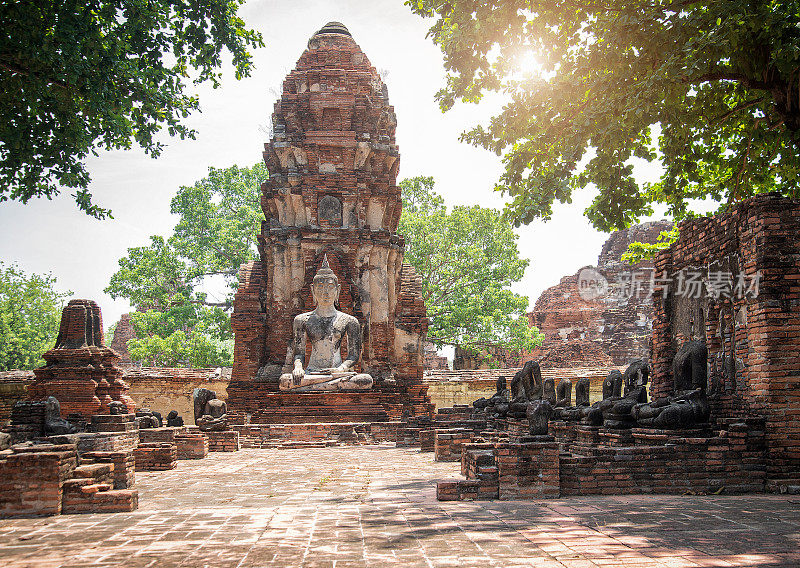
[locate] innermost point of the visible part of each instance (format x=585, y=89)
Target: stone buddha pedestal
x=325, y=327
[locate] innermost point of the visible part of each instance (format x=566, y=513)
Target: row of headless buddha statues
x=625, y=401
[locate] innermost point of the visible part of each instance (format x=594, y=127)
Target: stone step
x=94, y=470
x=101, y=501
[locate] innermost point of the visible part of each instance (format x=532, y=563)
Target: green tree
x=185, y=335
x=467, y=258
x=709, y=88
x=179, y=324
x=79, y=76
x=219, y=217
x=30, y=313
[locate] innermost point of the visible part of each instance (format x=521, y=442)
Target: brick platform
x=274, y=435
x=124, y=466
x=31, y=479
x=448, y=442
x=191, y=446
x=302, y=408
x=225, y=441
x=156, y=456
x=165, y=434
x=99, y=442
x=46, y=479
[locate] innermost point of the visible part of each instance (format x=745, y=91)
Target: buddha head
x=325, y=286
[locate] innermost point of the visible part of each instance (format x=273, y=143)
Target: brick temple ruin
x=332, y=193
x=76, y=439
x=726, y=334
x=610, y=330
x=722, y=330
x=81, y=372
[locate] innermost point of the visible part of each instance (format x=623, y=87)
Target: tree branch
x=742, y=106
x=27, y=72
x=729, y=76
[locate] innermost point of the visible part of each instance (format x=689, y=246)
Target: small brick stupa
x=81, y=372
x=332, y=191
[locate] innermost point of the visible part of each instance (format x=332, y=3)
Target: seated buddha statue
x=325, y=327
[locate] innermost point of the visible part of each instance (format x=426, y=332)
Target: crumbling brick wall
x=601, y=331
x=753, y=338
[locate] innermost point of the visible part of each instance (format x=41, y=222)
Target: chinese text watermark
x=688, y=283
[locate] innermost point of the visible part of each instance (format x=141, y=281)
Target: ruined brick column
x=332, y=191
x=81, y=372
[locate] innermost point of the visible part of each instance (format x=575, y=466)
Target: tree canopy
x=178, y=323
x=467, y=258
x=709, y=88
x=30, y=314
x=184, y=335
x=78, y=76
x=219, y=218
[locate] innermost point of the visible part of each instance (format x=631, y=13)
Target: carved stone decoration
x=81, y=372
x=329, y=209
x=332, y=192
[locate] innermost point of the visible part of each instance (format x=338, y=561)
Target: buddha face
x=325, y=291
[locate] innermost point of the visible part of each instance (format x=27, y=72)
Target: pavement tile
x=375, y=506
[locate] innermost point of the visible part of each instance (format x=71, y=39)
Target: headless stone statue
x=498, y=401
x=146, y=418
x=116, y=408
x=619, y=415
x=527, y=382
x=539, y=413
x=325, y=327
x=210, y=413
x=582, y=392
x=568, y=412
x=54, y=425
x=688, y=407
x=173, y=419
x=612, y=392
x=564, y=393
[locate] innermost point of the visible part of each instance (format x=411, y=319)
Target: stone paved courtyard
x=376, y=506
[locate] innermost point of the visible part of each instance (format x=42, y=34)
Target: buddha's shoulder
x=347, y=318
x=303, y=317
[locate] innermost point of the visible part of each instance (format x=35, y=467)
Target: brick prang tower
x=332, y=191
x=81, y=371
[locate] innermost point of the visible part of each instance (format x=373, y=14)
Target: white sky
x=82, y=253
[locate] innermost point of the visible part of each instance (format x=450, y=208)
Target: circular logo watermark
x=591, y=284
